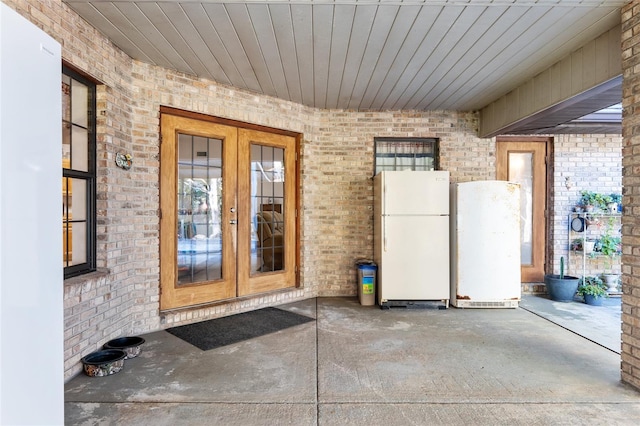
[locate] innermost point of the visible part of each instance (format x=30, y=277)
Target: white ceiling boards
x=367, y=55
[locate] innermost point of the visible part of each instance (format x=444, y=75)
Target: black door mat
x=224, y=331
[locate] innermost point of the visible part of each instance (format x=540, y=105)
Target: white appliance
x=485, y=244
x=411, y=238
x=31, y=282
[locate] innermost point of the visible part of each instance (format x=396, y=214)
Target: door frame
x=548, y=211
x=296, y=196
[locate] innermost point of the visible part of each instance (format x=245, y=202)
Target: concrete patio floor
x=600, y=324
x=359, y=365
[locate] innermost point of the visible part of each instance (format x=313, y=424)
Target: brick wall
x=582, y=162
x=631, y=200
x=336, y=166
x=336, y=189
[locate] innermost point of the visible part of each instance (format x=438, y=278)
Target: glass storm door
x=524, y=163
x=227, y=225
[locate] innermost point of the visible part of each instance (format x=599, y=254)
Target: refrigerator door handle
x=384, y=235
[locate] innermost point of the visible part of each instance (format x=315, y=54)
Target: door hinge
x=160, y=213
x=160, y=138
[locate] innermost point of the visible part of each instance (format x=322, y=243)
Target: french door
x=524, y=161
x=227, y=202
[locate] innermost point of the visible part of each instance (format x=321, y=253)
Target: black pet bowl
x=104, y=363
x=131, y=345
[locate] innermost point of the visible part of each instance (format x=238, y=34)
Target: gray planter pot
x=561, y=290
x=593, y=300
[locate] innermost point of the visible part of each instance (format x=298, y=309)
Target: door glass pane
x=267, y=208
x=521, y=171
x=199, y=207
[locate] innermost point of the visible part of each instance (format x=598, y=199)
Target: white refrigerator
x=31, y=281
x=485, y=244
x=411, y=237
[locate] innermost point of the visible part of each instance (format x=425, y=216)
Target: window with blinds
x=405, y=154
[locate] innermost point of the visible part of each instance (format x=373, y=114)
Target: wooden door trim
x=226, y=121
x=546, y=139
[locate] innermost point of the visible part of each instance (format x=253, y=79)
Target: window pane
x=199, y=209
x=66, y=98
x=80, y=149
x=77, y=193
x=66, y=145
x=66, y=118
x=66, y=227
x=79, y=103
x=79, y=242
x=78, y=169
x=521, y=171
x=74, y=215
x=267, y=201
x=405, y=154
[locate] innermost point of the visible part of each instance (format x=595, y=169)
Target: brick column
x=631, y=193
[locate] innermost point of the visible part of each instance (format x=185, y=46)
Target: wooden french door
x=524, y=162
x=267, y=202
x=215, y=181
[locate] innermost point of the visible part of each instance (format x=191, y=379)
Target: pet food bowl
x=104, y=363
x=131, y=345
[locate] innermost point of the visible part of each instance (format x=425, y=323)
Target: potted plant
x=579, y=244
x=588, y=200
x=561, y=288
x=593, y=290
x=616, y=198
x=593, y=200
x=609, y=246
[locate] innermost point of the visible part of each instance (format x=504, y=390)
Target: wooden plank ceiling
x=356, y=54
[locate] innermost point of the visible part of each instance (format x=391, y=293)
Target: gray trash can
x=367, y=283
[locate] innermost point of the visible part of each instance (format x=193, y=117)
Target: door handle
x=233, y=221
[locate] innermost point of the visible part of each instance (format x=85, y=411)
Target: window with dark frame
x=405, y=154
x=78, y=173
